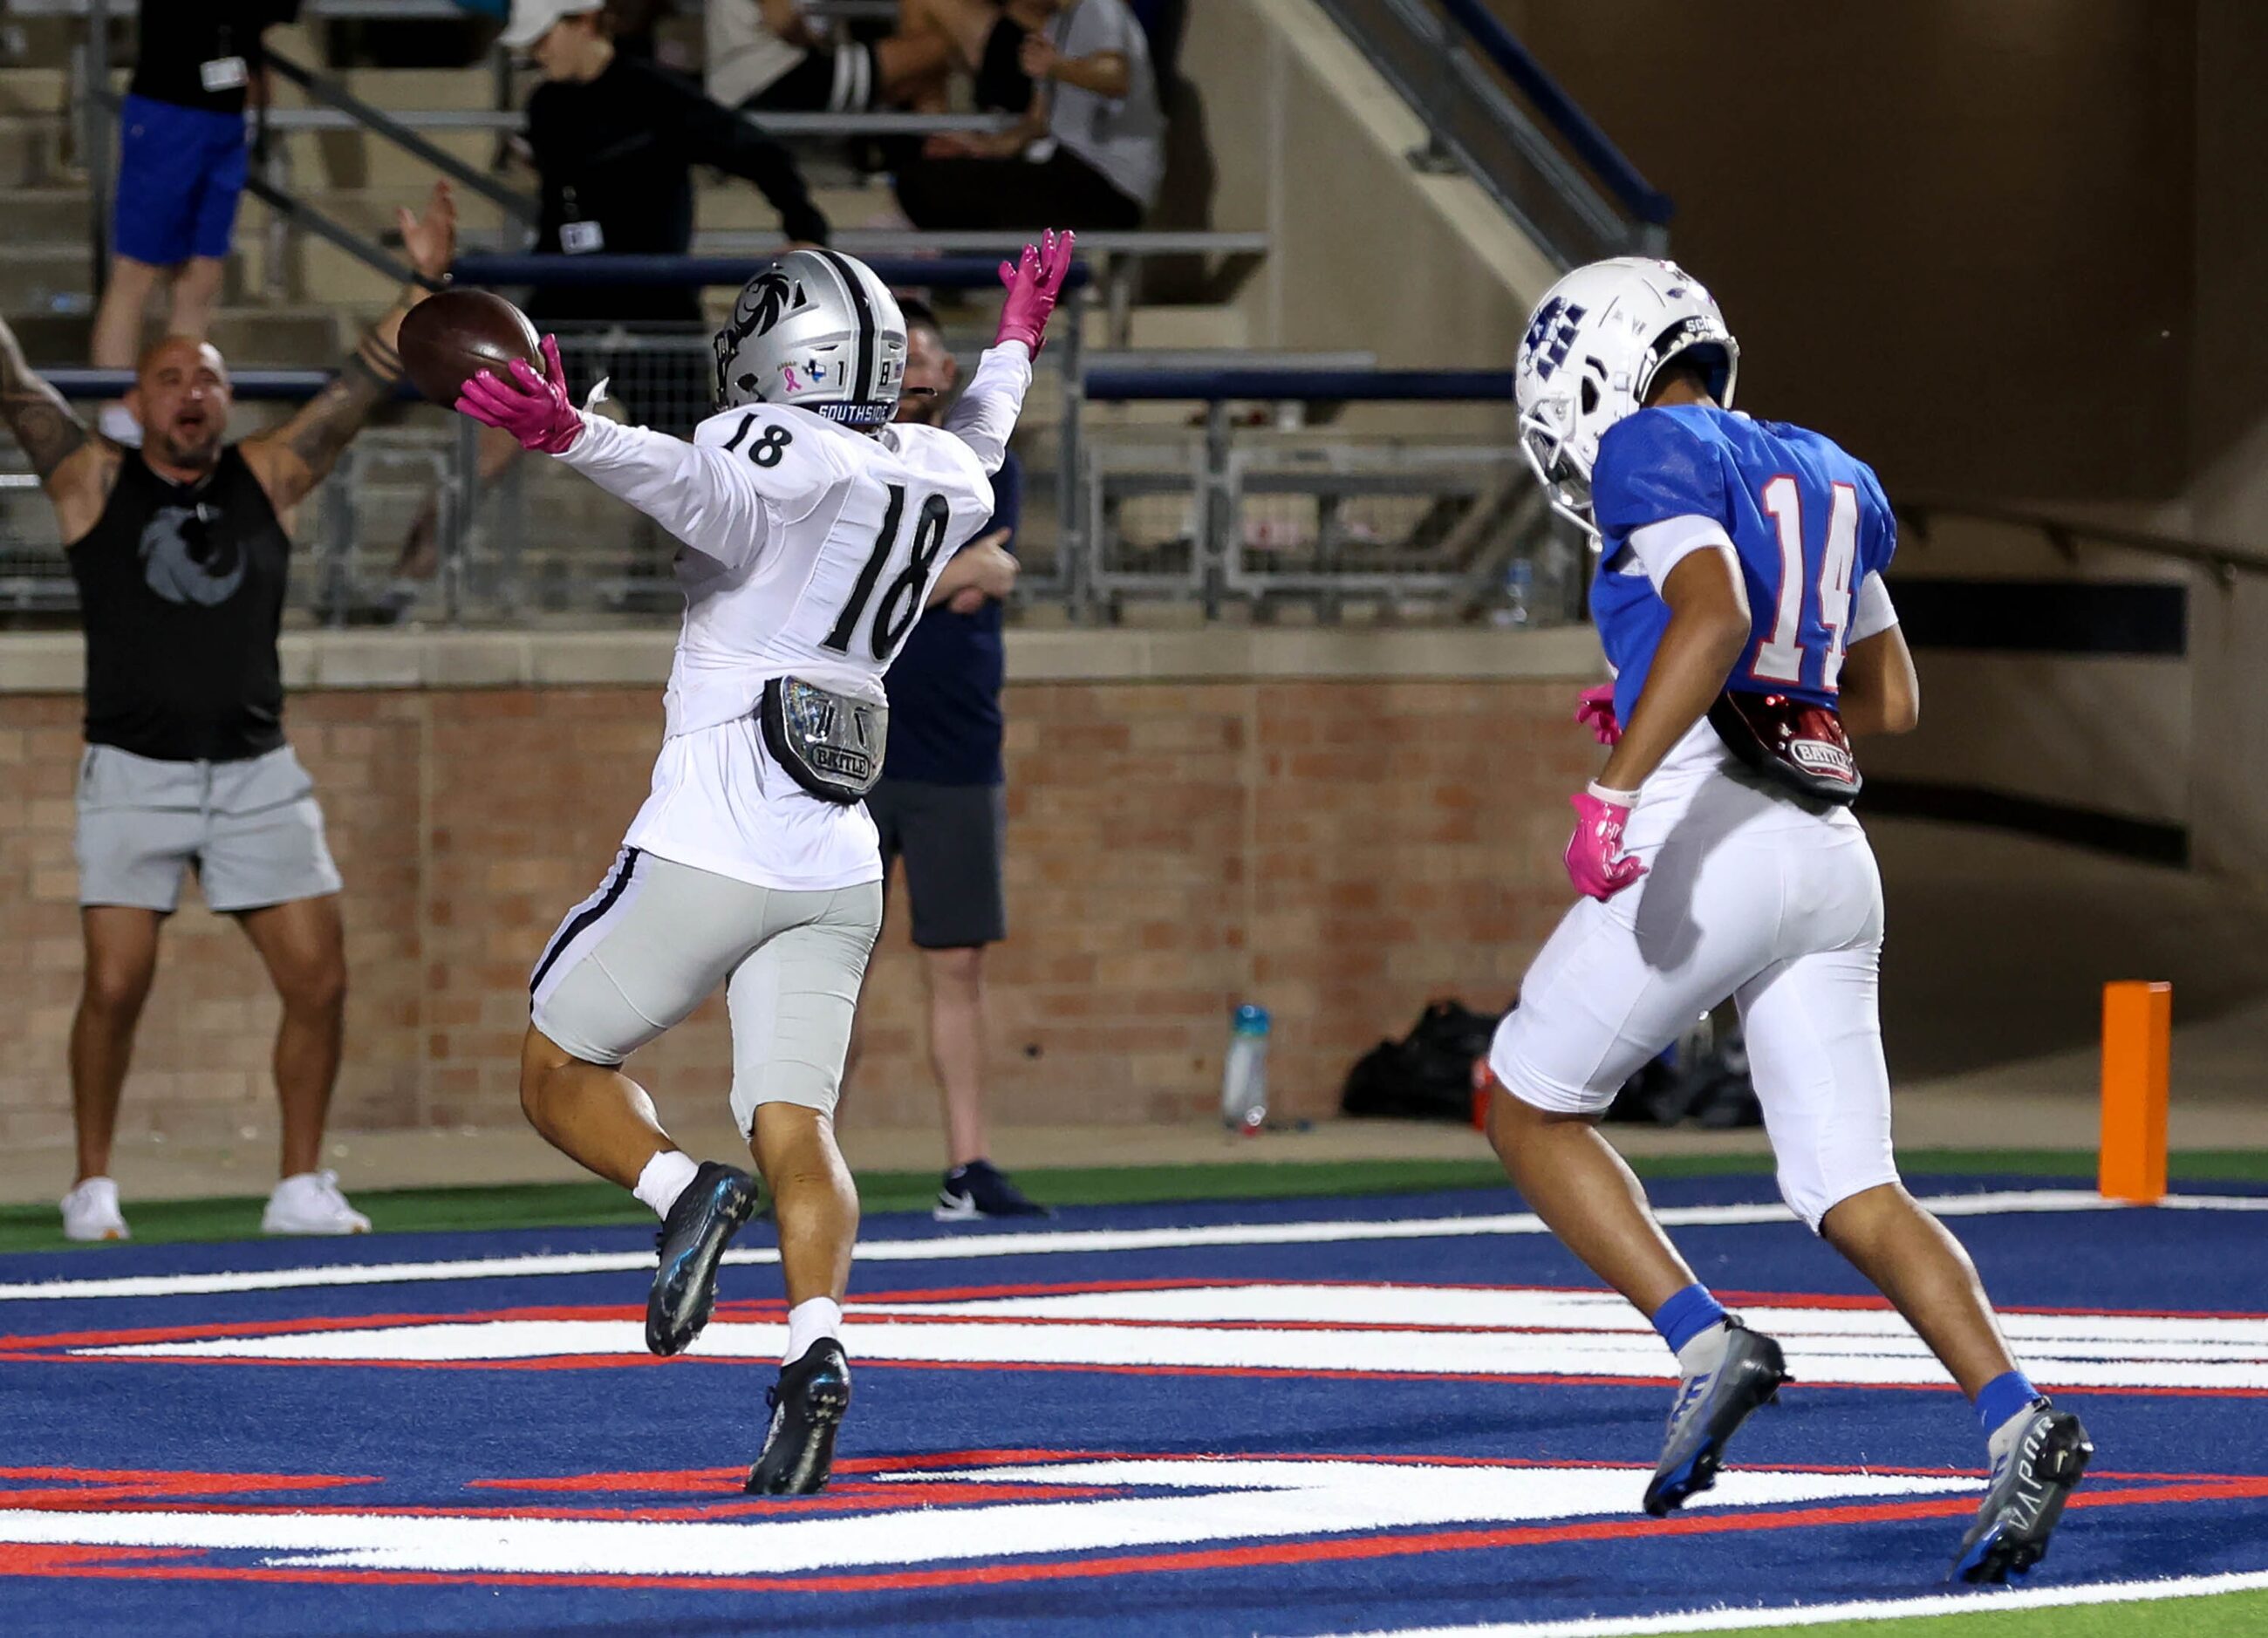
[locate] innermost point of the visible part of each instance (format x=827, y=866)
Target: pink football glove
x=1594, y=709
x=533, y=408
x=1034, y=283
x=1595, y=861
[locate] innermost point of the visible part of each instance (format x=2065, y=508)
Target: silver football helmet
x=816, y=329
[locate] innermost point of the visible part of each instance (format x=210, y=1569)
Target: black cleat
x=980, y=1189
x=692, y=1241
x=807, y=1405
x=2031, y=1481
x=1710, y=1409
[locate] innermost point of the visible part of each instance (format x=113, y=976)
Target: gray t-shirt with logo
x=1125, y=139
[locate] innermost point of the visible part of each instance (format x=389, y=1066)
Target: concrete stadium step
x=35, y=151
x=43, y=278
x=44, y=215
x=35, y=89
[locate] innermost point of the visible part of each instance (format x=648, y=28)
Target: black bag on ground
x=1428, y=1074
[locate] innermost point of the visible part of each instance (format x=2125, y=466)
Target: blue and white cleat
x=692, y=1241
x=2037, y=1460
x=1711, y=1405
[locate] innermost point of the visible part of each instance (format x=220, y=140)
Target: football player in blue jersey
x=1740, y=599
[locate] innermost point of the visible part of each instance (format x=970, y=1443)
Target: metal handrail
x=1576, y=129
x=351, y=115
x=1218, y=386
x=697, y=272
x=991, y=242
x=351, y=111
x=2065, y=533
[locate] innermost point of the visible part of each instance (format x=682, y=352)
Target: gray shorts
x=251, y=830
x=658, y=937
x=954, y=840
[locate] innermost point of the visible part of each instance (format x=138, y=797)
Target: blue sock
x=2003, y=1397
x=1687, y=1315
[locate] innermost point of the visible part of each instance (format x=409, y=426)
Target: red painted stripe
x=44, y=1560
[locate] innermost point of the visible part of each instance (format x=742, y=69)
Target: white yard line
x=1039, y=1243
x=1717, y=1621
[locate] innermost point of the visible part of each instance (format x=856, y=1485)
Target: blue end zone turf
x=1289, y=1417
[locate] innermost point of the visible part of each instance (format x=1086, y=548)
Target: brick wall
x=1338, y=851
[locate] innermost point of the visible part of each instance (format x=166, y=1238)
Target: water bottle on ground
x=1518, y=588
x=1244, y=1076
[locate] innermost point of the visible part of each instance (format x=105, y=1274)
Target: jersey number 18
x=902, y=599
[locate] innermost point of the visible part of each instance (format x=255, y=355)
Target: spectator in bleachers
x=181, y=168
x=1090, y=151
x=614, y=140
x=940, y=805
x=769, y=55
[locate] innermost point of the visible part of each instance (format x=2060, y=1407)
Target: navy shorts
x=181, y=172
x=952, y=838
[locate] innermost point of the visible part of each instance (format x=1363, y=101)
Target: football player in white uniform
x=815, y=533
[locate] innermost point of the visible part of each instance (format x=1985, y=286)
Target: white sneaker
x=310, y=1203
x=91, y=1212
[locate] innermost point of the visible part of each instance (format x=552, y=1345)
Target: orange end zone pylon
x=2138, y=1027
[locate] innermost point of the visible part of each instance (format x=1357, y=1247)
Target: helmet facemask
x=1594, y=349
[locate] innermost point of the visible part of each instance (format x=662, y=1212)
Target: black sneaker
x=692, y=1241
x=980, y=1189
x=2035, y=1469
x=1709, y=1408
x=807, y=1405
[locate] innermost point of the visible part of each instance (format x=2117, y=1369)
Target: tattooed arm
x=76, y=467
x=293, y=459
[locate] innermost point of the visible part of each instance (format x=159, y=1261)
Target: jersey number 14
x=1781, y=653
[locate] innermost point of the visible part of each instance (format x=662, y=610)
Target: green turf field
x=2227, y=1615
x=562, y=1205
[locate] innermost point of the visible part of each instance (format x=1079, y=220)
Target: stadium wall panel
x=1336, y=844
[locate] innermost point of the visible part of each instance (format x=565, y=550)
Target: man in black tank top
x=180, y=554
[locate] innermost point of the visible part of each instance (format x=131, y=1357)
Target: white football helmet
x=1593, y=345
x=819, y=330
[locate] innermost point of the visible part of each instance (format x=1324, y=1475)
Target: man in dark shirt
x=614, y=140
x=180, y=169
x=941, y=804
x=181, y=556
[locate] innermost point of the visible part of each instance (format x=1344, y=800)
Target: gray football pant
x=658, y=938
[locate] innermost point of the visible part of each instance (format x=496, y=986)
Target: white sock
x=808, y=1322
x=1703, y=1352
x=666, y=1176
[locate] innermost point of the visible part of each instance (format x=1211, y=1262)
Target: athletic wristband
x=1616, y=798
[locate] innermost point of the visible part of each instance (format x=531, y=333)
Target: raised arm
x=76, y=467
x=292, y=459
x=718, y=495
x=986, y=417
x=718, y=136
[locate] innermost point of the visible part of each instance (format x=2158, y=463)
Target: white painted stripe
x=1209, y=1499
x=1723, y=1620
x=1511, y=1332
x=1033, y=1242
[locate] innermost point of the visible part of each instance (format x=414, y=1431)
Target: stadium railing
x=1491, y=110
x=1234, y=256
x=1279, y=512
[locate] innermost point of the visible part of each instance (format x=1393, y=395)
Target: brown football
x=450, y=337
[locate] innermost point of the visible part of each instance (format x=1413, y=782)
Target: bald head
x=182, y=397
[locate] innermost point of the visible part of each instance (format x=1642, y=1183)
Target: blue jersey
x=1808, y=521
